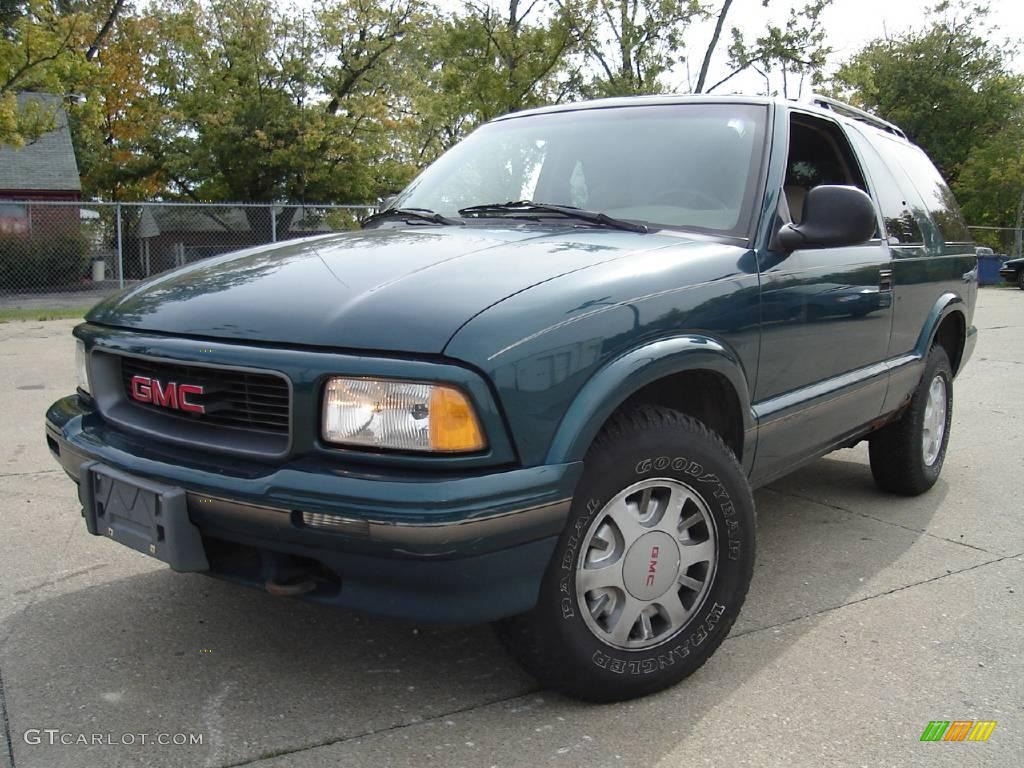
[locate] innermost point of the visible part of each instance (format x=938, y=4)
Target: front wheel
x=907, y=455
x=652, y=568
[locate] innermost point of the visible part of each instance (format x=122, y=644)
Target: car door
x=826, y=317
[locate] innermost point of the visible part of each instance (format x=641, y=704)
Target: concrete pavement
x=868, y=617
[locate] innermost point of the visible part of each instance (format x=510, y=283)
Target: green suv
x=538, y=388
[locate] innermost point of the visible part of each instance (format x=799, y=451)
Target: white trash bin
x=99, y=270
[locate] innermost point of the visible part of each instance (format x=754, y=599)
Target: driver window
x=818, y=154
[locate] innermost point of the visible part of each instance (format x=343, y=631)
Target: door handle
x=885, y=280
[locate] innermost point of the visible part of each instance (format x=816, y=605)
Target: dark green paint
x=549, y=329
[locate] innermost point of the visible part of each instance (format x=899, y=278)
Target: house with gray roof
x=44, y=169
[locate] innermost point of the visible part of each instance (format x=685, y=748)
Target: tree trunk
x=702, y=79
x=94, y=49
x=1018, y=233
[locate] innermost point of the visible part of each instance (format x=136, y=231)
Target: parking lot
x=868, y=617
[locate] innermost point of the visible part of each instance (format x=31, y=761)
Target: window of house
x=13, y=219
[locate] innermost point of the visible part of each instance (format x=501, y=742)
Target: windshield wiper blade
x=416, y=214
x=569, y=211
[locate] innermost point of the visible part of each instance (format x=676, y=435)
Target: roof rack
x=847, y=110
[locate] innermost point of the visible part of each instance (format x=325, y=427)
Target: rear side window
x=937, y=197
x=896, y=198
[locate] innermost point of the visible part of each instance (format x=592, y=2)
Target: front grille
x=235, y=399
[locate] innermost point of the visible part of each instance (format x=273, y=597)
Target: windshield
x=692, y=166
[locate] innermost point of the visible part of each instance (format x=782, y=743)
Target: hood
x=404, y=289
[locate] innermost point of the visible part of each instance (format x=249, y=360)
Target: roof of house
x=159, y=219
x=48, y=163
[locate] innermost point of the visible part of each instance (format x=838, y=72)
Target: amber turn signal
x=453, y=424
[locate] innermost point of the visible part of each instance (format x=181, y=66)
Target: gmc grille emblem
x=170, y=395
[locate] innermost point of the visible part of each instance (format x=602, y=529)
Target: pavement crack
x=6, y=724
x=213, y=719
x=866, y=516
x=892, y=591
x=384, y=730
x=58, y=579
x=29, y=474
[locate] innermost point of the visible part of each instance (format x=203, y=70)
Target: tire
x=643, y=465
x=901, y=462
x=1020, y=279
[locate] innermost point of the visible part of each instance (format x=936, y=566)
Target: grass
x=42, y=313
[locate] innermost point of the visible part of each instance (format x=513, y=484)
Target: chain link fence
x=69, y=255
x=72, y=254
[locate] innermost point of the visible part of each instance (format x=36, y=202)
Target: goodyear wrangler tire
x=652, y=567
x=907, y=455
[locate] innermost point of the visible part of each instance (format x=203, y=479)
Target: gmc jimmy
x=538, y=387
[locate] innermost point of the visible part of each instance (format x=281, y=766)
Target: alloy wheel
x=646, y=564
x=934, y=426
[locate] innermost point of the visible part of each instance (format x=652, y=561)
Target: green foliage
x=952, y=89
x=795, y=49
x=484, y=62
x=42, y=262
x=634, y=43
x=949, y=86
x=991, y=186
x=345, y=100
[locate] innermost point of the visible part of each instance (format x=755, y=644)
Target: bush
x=37, y=263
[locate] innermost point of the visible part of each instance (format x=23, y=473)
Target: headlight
x=82, y=366
x=400, y=415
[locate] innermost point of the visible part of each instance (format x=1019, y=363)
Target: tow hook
x=290, y=587
x=287, y=575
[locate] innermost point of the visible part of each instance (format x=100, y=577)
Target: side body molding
x=615, y=382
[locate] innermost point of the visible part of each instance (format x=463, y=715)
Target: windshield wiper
x=415, y=214
x=569, y=211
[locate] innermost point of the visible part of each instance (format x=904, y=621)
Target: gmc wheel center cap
x=651, y=565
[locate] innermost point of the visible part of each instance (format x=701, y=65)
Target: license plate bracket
x=149, y=517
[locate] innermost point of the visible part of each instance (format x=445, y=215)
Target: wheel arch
x=947, y=326
x=694, y=374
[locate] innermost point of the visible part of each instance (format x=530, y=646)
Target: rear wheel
x=653, y=565
x=1020, y=279
x=907, y=455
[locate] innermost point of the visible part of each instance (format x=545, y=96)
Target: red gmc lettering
x=652, y=567
x=169, y=395
x=184, y=390
x=165, y=396
x=141, y=390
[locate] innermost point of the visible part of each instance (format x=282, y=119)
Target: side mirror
x=834, y=216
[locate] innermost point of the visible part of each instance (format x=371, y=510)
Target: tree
x=796, y=48
x=40, y=50
x=991, y=186
x=120, y=126
x=948, y=86
x=633, y=44
x=245, y=116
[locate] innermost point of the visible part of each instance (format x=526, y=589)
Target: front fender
x=612, y=385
